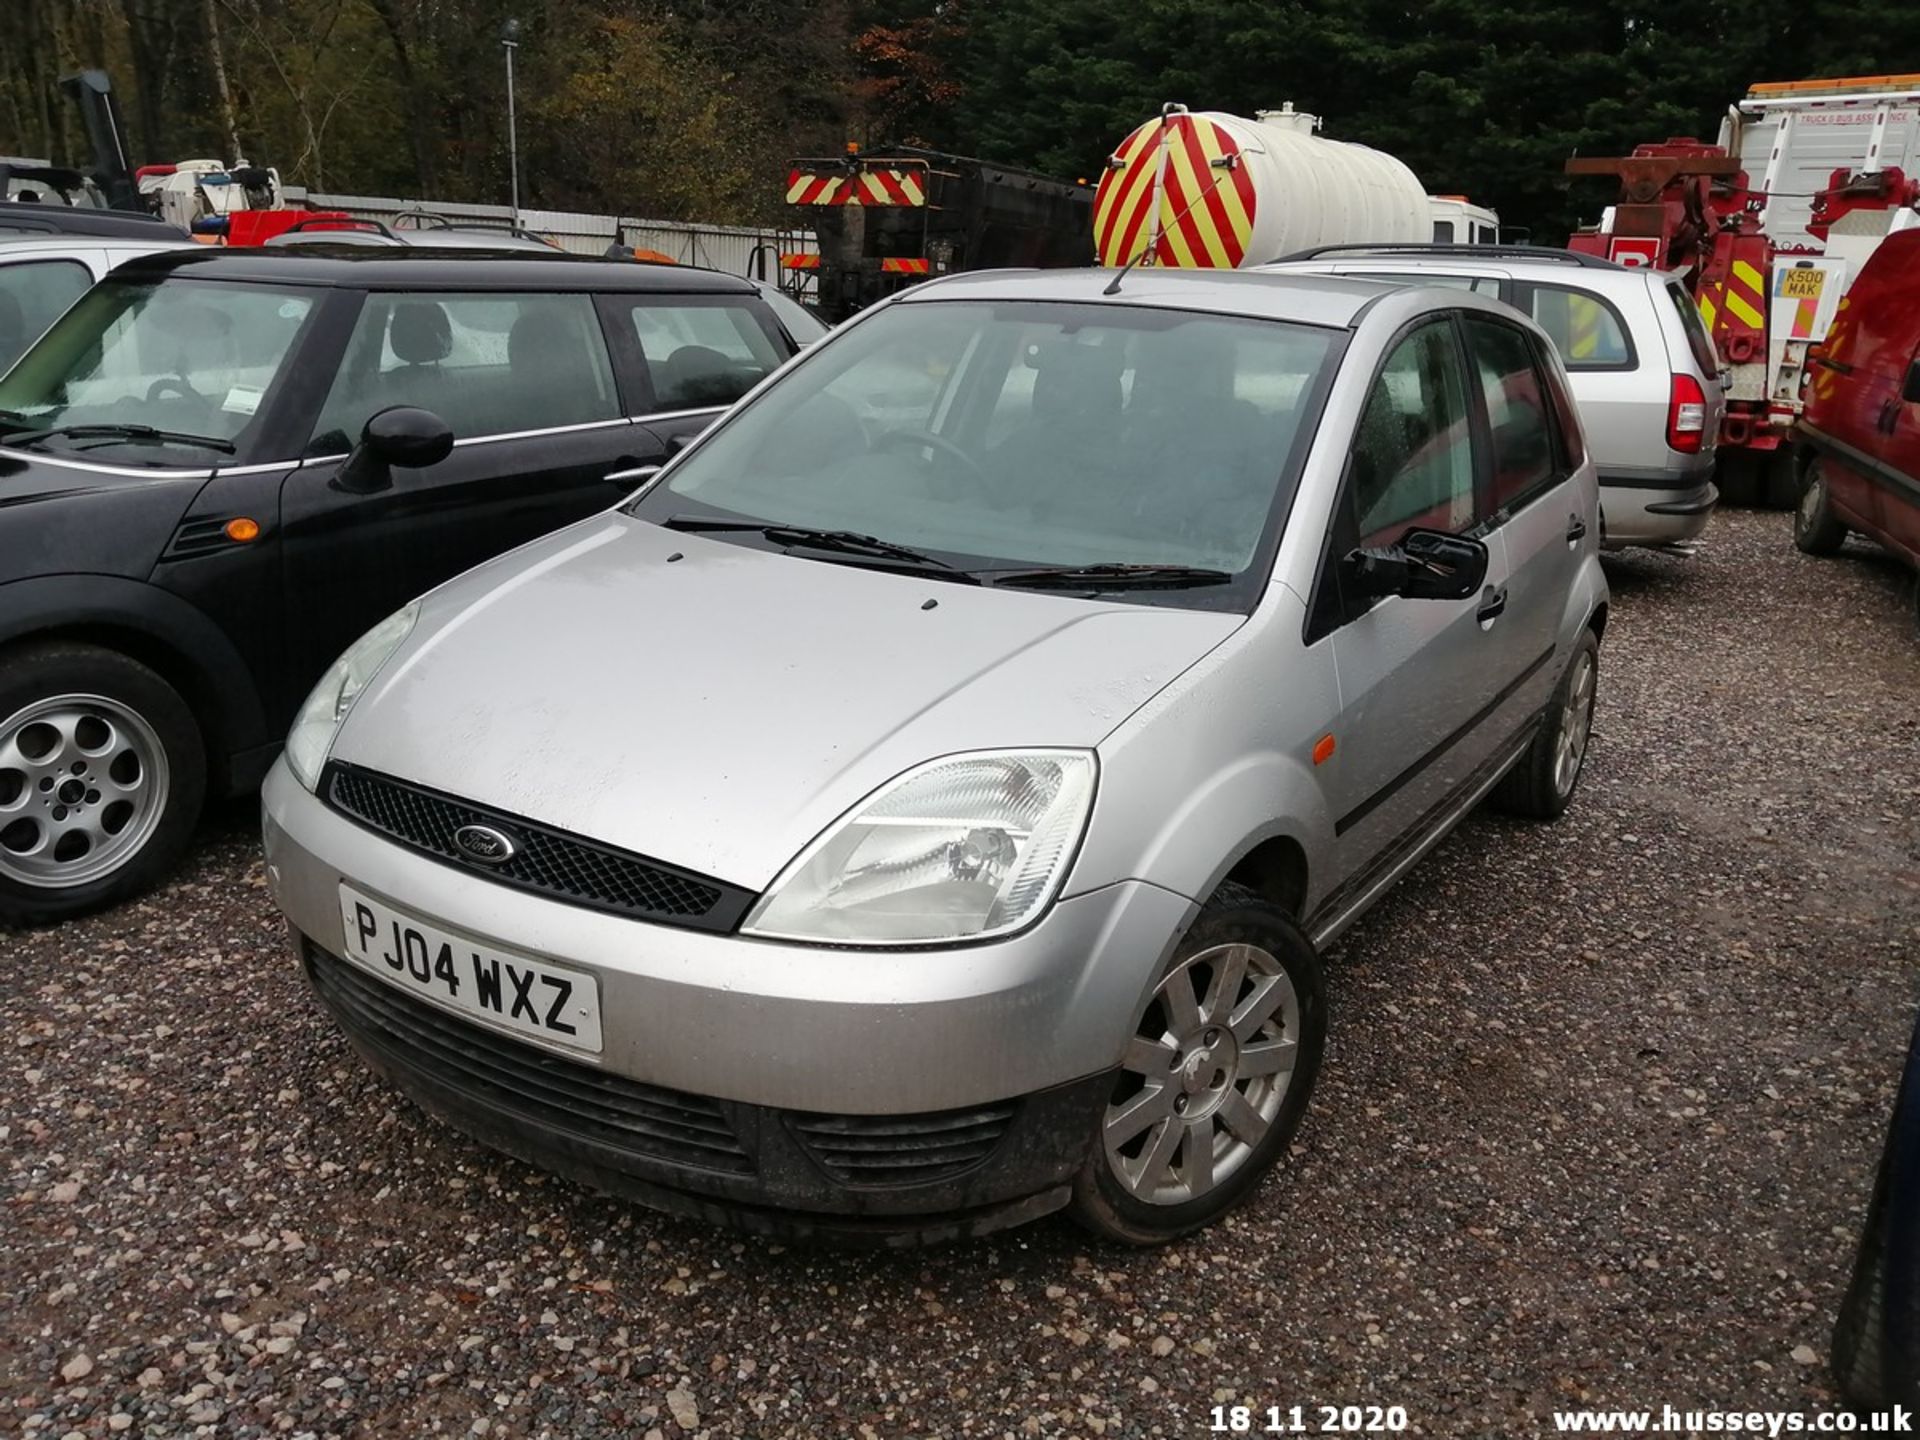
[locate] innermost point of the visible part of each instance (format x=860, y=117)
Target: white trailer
x=1791, y=137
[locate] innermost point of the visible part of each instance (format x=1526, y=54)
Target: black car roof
x=363, y=267
x=25, y=217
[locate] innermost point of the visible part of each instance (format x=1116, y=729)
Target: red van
x=1860, y=433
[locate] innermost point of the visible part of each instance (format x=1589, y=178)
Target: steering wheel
x=898, y=439
x=175, y=385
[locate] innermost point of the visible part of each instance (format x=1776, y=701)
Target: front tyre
x=1214, y=1079
x=102, y=774
x=1541, y=785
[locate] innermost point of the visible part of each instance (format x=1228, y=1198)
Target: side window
x=700, y=353
x=34, y=294
x=1412, y=459
x=1443, y=232
x=486, y=364
x=1524, y=457
x=1587, y=331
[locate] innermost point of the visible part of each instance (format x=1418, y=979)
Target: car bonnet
x=718, y=710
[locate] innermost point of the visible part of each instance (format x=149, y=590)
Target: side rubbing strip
x=1387, y=791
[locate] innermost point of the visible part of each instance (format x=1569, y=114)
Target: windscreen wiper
x=844, y=542
x=122, y=432
x=1112, y=577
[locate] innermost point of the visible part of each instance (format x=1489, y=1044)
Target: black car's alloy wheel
x=102, y=773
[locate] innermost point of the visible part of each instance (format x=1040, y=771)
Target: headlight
x=958, y=849
x=319, y=719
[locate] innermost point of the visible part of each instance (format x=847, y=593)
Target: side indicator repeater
x=1323, y=750
x=242, y=528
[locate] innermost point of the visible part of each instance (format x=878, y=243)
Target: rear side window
x=487, y=364
x=1524, y=454
x=1443, y=232
x=1698, y=341
x=34, y=294
x=1587, y=331
x=699, y=353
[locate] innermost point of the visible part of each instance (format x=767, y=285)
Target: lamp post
x=510, y=41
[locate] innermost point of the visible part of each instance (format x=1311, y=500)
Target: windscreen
x=1002, y=435
x=191, y=359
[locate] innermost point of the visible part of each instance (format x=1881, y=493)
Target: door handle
x=638, y=472
x=1493, y=604
x=1576, y=529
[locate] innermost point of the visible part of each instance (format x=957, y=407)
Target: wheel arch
x=1275, y=869
x=1255, y=820
x=154, y=627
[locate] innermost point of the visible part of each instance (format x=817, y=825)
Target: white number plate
x=532, y=997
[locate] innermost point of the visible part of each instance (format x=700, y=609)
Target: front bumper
x=785, y=1056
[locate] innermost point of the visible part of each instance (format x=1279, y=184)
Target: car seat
x=1072, y=428
x=1201, y=461
x=696, y=375
x=420, y=336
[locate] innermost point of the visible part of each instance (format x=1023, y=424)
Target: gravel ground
x=1596, y=1128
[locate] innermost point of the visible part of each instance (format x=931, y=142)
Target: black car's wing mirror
x=1910, y=392
x=402, y=435
x=1425, y=565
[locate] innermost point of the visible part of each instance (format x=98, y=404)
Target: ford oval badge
x=484, y=845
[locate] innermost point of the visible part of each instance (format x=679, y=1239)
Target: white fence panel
x=737, y=250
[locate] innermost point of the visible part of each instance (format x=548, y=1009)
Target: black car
x=219, y=467
x=56, y=217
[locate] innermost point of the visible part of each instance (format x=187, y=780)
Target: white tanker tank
x=1211, y=190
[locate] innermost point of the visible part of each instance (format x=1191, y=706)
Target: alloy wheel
x=83, y=783
x=1204, y=1077
x=1576, y=724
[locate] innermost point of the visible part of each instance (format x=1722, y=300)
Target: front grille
x=552, y=862
x=902, y=1149
x=546, y=1091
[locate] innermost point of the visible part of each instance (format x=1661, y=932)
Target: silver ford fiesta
x=922, y=807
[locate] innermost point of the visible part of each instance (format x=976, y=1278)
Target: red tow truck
x=1768, y=262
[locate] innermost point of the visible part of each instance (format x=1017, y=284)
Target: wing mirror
x=400, y=435
x=1425, y=565
x=1910, y=392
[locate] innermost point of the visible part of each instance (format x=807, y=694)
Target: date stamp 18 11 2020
x=1307, y=1419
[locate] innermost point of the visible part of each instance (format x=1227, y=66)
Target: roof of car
x=1308, y=298
x=14, y=244
x=405, y=268
x=17, y=216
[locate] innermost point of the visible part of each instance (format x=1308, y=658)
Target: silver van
x=1642, y=366
x=924, y=805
